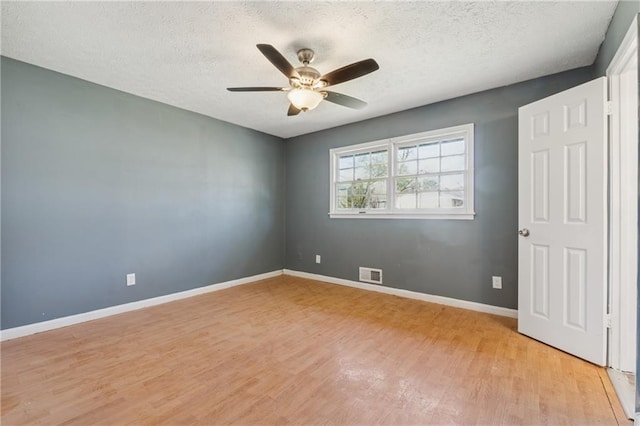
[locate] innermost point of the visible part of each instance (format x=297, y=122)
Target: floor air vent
x=371, y=275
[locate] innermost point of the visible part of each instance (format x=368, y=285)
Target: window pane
x=362, y=159
x=362, y=173
x=359, y=196
x=345, y=162
x=430, y=183
x=378, y=202
x=406, y=201
x=428, y=200
x=429, y=150
x=407, y=168
x=379, y=170
x=378, y=187
x=343, y=189
x=451, y=199
x=448, y=182
x=453, y=147
x=407, y=153
x=455, y=162
x=404, y=185
x=379, y=157
x=345, y=175
x=343, y=203
x=431, y=165
x=360, y=202
x=359, y=188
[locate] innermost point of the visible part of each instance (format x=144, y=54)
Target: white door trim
x=623, y=243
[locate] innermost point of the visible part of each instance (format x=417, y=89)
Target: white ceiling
x=186, y=54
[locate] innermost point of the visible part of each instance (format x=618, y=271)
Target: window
x=363, y=180
x=427, y=175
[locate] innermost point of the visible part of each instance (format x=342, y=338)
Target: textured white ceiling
x=186, y=54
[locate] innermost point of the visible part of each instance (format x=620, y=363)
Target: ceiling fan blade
x=256, y=89
x=349, y=72
x=293, y=110
x=278, y=60
x=344, y=100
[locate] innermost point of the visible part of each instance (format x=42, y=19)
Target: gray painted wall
x=443, y=257
x=97, y=183
x=618, y=27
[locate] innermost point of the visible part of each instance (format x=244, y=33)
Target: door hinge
x=607, y=320
x=609, y=107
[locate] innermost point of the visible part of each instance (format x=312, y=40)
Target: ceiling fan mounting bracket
x=306, y=56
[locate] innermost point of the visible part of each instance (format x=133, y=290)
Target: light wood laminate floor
x=294, y=351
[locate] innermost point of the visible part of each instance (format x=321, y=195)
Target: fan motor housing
x=308, y=75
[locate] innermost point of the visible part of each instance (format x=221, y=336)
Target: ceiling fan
x=306, y=84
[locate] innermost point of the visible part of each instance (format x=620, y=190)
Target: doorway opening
x=622, y=75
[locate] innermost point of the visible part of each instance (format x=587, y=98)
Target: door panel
x=562, y=206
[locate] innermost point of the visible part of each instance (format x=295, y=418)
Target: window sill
x=368, y=215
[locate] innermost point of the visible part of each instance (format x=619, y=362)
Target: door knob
x=524, y=232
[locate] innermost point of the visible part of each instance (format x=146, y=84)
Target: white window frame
x=392, y=145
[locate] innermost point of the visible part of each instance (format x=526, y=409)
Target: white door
x=562, y=204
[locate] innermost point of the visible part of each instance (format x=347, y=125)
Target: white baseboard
x=464, y=304
x=26, y=330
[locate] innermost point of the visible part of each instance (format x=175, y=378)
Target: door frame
x=623, y=227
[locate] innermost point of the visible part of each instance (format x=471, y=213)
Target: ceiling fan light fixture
x=305, y=99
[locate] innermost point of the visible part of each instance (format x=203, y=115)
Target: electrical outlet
x=497, y=282
x=318, y=258
x=131, y=279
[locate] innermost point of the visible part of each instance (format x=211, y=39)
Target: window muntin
x=426, y=175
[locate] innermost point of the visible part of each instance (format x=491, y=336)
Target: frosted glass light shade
x=304, y=99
